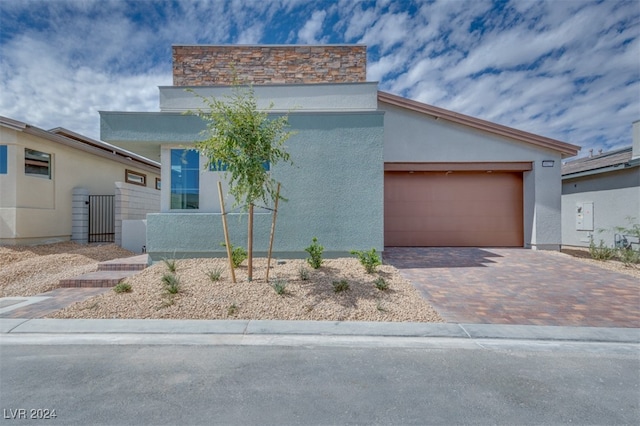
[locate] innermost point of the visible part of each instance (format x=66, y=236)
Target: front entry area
x=453, y=208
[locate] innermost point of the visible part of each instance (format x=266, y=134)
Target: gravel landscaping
x=26, y=271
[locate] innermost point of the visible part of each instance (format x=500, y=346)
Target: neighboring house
x=370, y=169
x=48, y=180
x=599, y=193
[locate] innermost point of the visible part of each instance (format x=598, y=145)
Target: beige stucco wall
x=36, y=209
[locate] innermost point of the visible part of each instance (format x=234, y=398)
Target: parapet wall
x=295, y=64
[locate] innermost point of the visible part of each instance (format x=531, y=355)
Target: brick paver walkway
x=52, y=301
x=518, y=286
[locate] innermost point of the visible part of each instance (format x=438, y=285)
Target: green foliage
x=381, y=284
x=238, y=255
x=369, y=259
x=172, y=283
x=339, y=286
x=279, y=286
x=315, y=253
x=303, y=273
x=243, y=139
x=632, y=228
x=171, y=264
x=628, y=256
x=122, y=288
x=601, y=251
x=232, y=310
x=215, y=274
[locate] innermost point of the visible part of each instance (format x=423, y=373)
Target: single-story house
x=57, y=185
x=599, y=193
x=370, y=170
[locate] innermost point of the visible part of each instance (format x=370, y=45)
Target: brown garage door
x=455, y=209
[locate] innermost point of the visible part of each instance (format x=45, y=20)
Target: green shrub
x=279, y=286
x=369, y=259
x=339, y=286
x=172, y=283
x=601, y=251
x=171, y=264
x=315, y=253
x=232, y=310
x=238, y=255
x=303, y=273
x=122, y=288
x=628, y=256
x=381, y=284
x=215, y=274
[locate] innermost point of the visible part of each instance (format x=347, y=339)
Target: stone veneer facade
x=295, y=64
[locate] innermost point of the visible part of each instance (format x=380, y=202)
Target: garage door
x=455, y=209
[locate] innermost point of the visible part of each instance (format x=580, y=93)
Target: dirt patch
x=27, y=271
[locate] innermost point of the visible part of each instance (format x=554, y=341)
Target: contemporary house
x=57, y=185
x=599, y=193
x=371, y=169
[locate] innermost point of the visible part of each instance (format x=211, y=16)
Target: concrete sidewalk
x=15, y=328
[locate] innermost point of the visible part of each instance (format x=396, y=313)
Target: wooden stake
x=273, y=230
x=250, y=245
x=226, y=233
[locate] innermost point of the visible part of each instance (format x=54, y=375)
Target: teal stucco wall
x=334, y=191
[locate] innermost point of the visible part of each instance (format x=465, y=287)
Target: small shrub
x=379, y=307
x=122, y=288
x=303, y=273
x=231, y=310
x=381, y=284
x=215, y=274
x=369, y=259
x=172, y=283
x=279, y=286
x=315, y=253
x=171, y=264
x=238, y=255
x=601, y=251
x=339, y=286
x=628, y=256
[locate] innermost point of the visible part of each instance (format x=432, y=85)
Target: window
x=3, y=159
x=37, y=163
x=135, y=178
x=158, y=184
x=185, y=179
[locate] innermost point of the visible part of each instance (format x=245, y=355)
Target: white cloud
x=309, y=32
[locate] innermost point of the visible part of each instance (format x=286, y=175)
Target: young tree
x=244, y=143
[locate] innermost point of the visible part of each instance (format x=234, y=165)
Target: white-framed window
x=37, y=163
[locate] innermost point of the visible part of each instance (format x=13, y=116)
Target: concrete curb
x=15, y=327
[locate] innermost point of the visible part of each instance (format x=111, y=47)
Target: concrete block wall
x=216, y=65
x=133, y=202
x=80, y=215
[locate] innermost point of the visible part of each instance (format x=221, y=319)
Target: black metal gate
x=102, y=223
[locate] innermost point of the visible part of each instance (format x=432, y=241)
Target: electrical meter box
x=584, y=216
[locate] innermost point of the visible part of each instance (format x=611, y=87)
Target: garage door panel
x=453, y=209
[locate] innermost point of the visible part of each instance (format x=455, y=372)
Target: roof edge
x=566, y=149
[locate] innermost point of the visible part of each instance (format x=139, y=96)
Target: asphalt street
x=324, y=380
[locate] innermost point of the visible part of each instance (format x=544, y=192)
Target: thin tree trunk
x=273, y=230
x=226, y=233
x=250, y=245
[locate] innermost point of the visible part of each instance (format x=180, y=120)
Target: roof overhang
x=565, y=149
x=74, y=140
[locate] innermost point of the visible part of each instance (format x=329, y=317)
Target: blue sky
x=565, y=69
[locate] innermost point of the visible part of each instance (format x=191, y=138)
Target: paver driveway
x=518, y=286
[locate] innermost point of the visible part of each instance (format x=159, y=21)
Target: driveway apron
x=518, y=286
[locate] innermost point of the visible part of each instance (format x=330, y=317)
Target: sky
x=564, y=69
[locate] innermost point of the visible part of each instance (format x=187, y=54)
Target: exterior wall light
x=548, y=163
